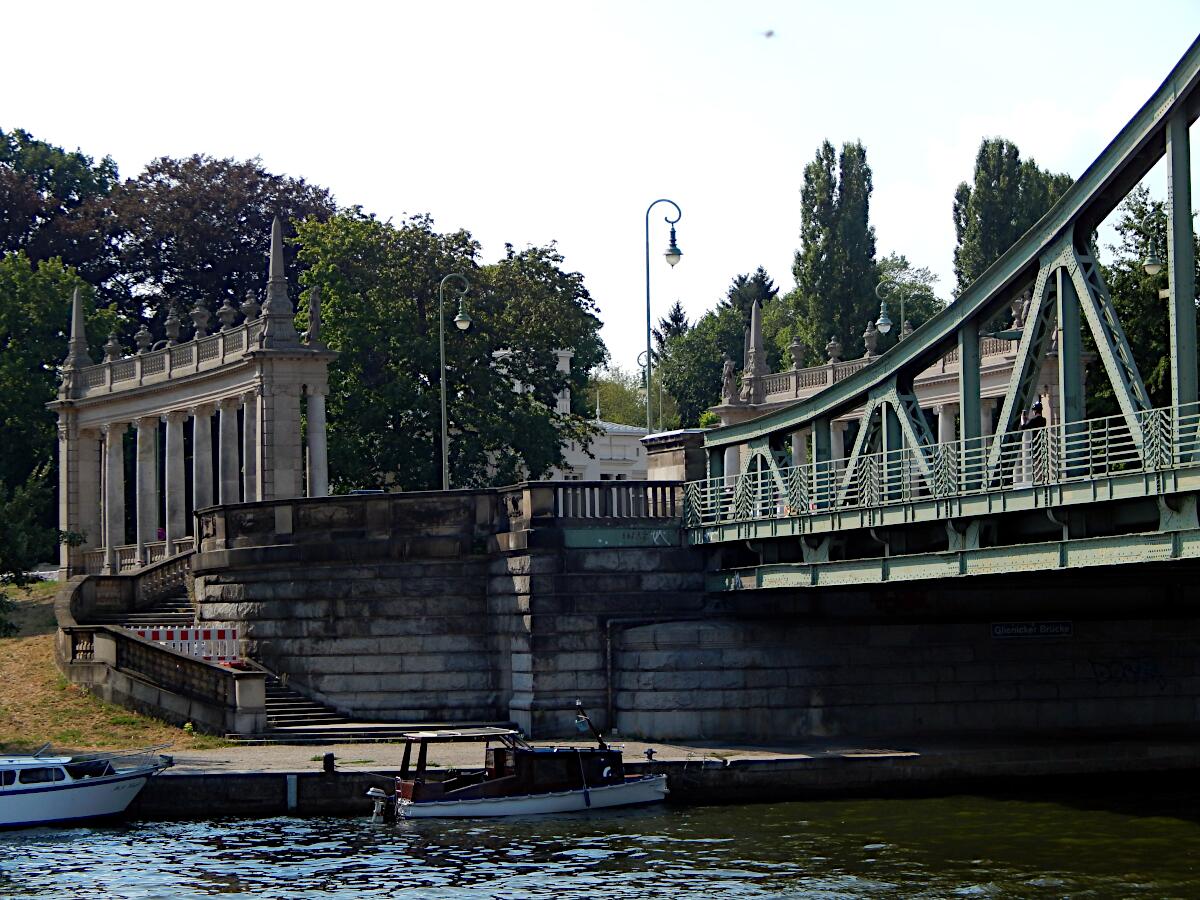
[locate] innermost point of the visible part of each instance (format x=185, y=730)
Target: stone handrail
x=123, y=668
x=87, y=597
x=453, y=522
x=157, y=366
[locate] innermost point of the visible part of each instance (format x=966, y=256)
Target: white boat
x=517, y=779
x=40, y=790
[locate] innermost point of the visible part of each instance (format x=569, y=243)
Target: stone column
x=987, y=408
x=281, y=456
x=114, y=494
x=147, y=486
x=733, y=463
x=228, y=451
x=318, y=466
x=202, y=471
x=250, y=445
x=837, y=444
x=945, y=414
x=799, y=446
x=175, y=479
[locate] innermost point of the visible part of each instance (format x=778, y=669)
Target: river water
x=1143, y=843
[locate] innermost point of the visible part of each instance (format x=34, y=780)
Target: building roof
x=618, y=428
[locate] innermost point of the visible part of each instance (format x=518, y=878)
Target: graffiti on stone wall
x=1129, y=670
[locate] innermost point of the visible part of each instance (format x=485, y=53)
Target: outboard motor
x=385, y=807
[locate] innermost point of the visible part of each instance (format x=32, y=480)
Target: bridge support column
x=837, y=444
x=146, y=478
x=822, y=484
x=1070, y=374
x=970, y=407
x=987, y=409
x=1181, y=263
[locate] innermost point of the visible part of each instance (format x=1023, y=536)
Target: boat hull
x=649, y=789
x=72, y=801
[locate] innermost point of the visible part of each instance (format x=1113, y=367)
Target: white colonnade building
x=146, y=439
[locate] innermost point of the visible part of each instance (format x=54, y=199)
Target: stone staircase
x=293, y=718
x=175, y=609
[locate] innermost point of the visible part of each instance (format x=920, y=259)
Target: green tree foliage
x=1141, y=228
x=1005, y=200
x=692, y=362
x=622, y=398
x=24, y=539
x=916, y=286
x=35, y=312
x=54, y=203
x=198, y=230
x=670, y=326
x=835, y=267
x=379, y=285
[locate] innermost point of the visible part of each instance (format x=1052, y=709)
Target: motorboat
x=517, y=779
x=42, y=789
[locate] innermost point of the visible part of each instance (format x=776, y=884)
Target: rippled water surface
x=1137, y=844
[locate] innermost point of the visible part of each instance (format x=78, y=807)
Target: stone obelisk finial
x=279, y=327
x=753, y=387
x=77, y=352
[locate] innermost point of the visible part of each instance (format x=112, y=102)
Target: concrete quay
x=251, y=782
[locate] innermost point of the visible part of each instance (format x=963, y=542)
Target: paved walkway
x=293, y=758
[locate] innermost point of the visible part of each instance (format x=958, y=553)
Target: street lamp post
x=672, y=255
x=883, y=323
x=463, y=321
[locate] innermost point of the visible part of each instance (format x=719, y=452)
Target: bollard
x=327, y=762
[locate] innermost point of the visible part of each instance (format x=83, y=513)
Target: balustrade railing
x=1057, y=454
x=192, y=356
x=616, y=499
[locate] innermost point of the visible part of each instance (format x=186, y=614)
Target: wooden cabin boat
x=40, y=790
x=517, y=779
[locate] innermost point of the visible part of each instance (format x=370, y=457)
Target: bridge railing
x=1056, y=454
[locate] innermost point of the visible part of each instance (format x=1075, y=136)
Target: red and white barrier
x=213, y=644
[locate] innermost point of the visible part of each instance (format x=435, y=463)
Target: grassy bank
x=37, y=705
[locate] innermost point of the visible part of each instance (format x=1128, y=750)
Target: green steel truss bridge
x=1081, y=492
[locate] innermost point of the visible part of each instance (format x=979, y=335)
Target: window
x=41, y=776
x=7, y=777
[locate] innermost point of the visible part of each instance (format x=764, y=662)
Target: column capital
x=175, y=415
x=114, y=428
x=229, y=404
x=838, y=425
x=146, y=422
x=251, y=396
x=316, y=390
x=201, y=409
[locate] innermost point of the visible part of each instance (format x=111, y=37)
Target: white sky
x=530, y=122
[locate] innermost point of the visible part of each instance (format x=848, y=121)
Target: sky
x=531, y=122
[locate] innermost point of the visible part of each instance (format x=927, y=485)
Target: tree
x=835, y=267
x=54, y=203
x=1006, y=199
x=915, y=285
x=672, y=325
x=197, y=231
x=691, y=367
x=379, y=287
x=35, y=313
x=619, y=395
x=1142, y=228
x=24, y=540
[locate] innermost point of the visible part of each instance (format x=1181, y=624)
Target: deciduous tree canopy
x=379, y=285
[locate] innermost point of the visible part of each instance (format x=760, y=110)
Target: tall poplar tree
x=1007, y=197
x=835, y=267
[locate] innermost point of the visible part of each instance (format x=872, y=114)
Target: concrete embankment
x=823, y=773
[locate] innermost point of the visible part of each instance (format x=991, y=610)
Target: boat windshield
x=7, y=777
x=42, y=775
x=93, y=768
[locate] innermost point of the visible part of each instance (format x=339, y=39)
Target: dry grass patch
x=37, y=705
